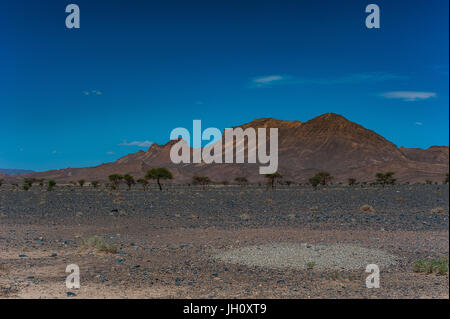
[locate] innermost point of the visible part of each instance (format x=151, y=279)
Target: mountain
x=9, y=171
x=328, y=142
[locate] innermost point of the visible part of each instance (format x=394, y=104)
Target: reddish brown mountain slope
x=328, y=142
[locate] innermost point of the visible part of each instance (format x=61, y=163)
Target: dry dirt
x=168, y=242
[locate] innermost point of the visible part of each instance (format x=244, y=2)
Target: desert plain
x=224, y=241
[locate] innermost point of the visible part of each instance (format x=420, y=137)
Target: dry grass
x=99, y=244
x=367, y=209
x=437, y=210
x=245, y=217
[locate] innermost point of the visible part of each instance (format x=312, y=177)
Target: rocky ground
x=179, y=243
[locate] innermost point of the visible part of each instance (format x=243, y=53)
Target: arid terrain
x=189, y=242
x=328, y=142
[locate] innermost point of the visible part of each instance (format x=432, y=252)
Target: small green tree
x=50, y=185
x=315, y=181
x=272, y=177
x=201, y=180
x=158, y=174
x=115, y=180
x=351, y=181
x=129, y=180
x=325, y=178
x=95, y=184
x=143, y=182
x=242, y=181
x=385, y=178
x=81, y=182
x=29, y=182
x=40, y=181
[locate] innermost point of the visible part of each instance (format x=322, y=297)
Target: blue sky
x=135, y=70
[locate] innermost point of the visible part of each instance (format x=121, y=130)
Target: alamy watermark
x=221, y=150
x=373, y=280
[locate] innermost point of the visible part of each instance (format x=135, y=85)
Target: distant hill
x=328, y=142
x=12, y=171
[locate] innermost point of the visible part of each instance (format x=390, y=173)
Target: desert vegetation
x=159, y=174
x=272, y=178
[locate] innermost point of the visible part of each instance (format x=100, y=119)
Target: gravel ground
x=304, y=256
x=167, y=242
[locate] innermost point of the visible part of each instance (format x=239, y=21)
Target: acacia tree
x=385, y=178
x=201, y=180
x=445, y=180
x=115, y=180
x=129, y=180
x=143, y=182
x=272, y=177
x=81, y=182
x=325, y=178
x=351, y=181
x=158, y=174
x=1, y=182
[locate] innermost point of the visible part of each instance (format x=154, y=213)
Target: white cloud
x=354, y=78
x=54, y=152
x=408, y=96
x=93, y=92
x=137, y=143
x=268, y=79
x=110, y=153
x=419, y=123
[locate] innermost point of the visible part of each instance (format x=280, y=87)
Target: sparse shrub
x=367, y=209
x=95, y=184
x=225, y=183
x=314, y=181
x=268, y=201
x=29, y=182
x=245, y=217
x=428, y=182
x=50, y=185
x=432, y=266
x=201, y=180
x=25, y=187
x=81, y=182
x=314, y=209
x=129, y=180
x=446, y=179
x=351, y=181
x=385, y=178
x=310, y=265
x=325, y=178
x=241, y=181
x=99, y=244
x=143, y=182
x=1, y=182
x=437, y=210
x=158, y=174
x=272, y=178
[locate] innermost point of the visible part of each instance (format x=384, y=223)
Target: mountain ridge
x=327, y=142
